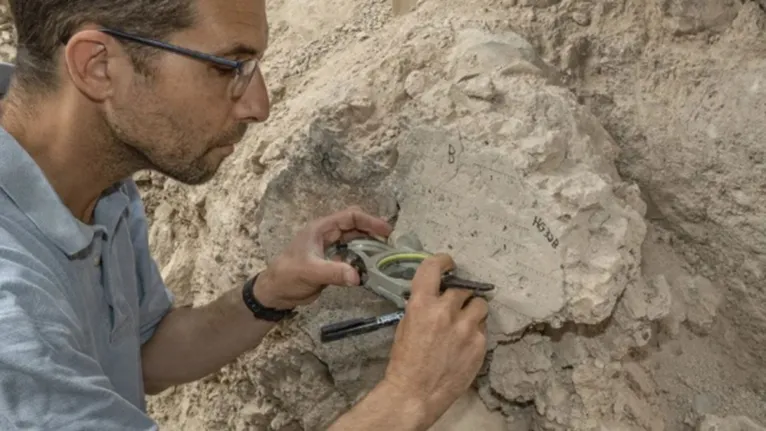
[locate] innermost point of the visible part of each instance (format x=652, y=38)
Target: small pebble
x=581, y=18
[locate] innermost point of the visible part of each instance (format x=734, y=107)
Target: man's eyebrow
x=238, y=49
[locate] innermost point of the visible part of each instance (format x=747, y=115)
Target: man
x=104, y=88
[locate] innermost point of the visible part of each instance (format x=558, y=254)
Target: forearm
x=385, y=408
x=191, y=343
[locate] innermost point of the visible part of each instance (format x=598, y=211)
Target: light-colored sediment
x=601, y=162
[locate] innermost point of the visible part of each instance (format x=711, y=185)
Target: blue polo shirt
x=76, y=303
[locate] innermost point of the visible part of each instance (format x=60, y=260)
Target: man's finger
x=427, y=279
x=345, y=237
x=476, y=311
x=321, y=271
x=333, y=227
x=351, y=235
x=456, y=297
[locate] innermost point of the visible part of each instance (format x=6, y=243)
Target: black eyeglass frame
x=245, y=69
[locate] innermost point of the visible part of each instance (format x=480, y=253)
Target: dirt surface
x=632, y=128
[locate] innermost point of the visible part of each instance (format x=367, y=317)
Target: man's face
x=182, y=121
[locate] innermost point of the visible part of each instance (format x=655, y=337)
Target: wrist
x=265, y=291
x=387, y=406
x=413, y=409
x=263, y=309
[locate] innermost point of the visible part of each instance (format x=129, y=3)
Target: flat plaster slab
x=465, y=198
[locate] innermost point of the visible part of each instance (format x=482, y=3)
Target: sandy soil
x=649, y=111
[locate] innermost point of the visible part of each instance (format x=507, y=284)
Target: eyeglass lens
x=243, y=78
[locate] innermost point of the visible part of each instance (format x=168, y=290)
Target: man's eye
x=223, y=70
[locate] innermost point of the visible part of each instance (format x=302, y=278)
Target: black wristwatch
x=259, y=310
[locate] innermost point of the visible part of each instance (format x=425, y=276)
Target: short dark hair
x=43, y=26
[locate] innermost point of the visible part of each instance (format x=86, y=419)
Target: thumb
x=337, y=273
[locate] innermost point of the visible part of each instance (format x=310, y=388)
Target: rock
x=702, y=300
x=416, y=83
x=480, y=87
x=518, y=377
x=581, y=18
x=478, y=52
x=660, y=304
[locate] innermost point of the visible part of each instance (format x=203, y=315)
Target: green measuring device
x=387, y=270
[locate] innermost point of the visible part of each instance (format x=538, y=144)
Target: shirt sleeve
x=155, y=299
x=46, y=379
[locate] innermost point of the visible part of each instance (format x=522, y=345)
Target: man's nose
x=254, y=105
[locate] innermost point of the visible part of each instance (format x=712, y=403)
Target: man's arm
x=385, y=408
x=184, y=344
x=202, y=339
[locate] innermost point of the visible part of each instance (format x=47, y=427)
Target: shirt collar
x=24, y=182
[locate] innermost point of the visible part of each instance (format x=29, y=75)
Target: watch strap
x=259, y=310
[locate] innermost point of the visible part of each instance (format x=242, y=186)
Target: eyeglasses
x=244, y=69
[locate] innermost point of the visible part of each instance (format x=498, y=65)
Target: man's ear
x=92, y=59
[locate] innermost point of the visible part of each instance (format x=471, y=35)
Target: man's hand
x=300, y=273
x=440, y=343
x=438, y=349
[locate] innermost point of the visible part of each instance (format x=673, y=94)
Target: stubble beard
x=146, y=137
x=165, y=150
x=157, y=140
